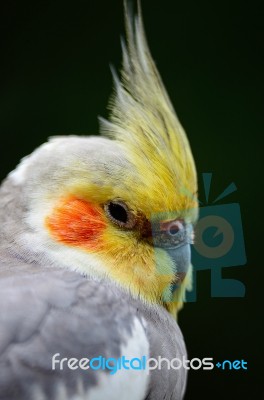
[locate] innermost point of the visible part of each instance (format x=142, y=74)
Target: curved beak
x=181, y=257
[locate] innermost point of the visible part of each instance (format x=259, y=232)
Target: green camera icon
x=219, y=237
x=219, y=243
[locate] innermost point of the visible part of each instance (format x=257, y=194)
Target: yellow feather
x=144, y=122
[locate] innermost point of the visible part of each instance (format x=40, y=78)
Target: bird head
x=122, y=205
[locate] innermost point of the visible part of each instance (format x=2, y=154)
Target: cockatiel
x=95, y=248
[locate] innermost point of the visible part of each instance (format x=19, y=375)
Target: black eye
x=173, y=230
x=118, y=212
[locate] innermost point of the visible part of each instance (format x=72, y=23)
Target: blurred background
x=55, y=81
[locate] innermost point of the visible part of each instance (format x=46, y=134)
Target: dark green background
x=56, y=80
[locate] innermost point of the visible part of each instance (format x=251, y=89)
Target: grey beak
x=181, y=257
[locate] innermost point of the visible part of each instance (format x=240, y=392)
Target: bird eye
x=119, y=214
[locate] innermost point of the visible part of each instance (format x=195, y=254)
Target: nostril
x=173, y=230
x=175, y=227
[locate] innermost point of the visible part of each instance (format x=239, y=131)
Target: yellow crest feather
x=144, y=122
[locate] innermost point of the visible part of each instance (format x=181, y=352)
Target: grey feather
x=44, y=311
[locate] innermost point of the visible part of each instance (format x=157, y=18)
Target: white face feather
x=18, y=176
x=44, y=176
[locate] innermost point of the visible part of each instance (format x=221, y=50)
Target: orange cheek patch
x=76, y=222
